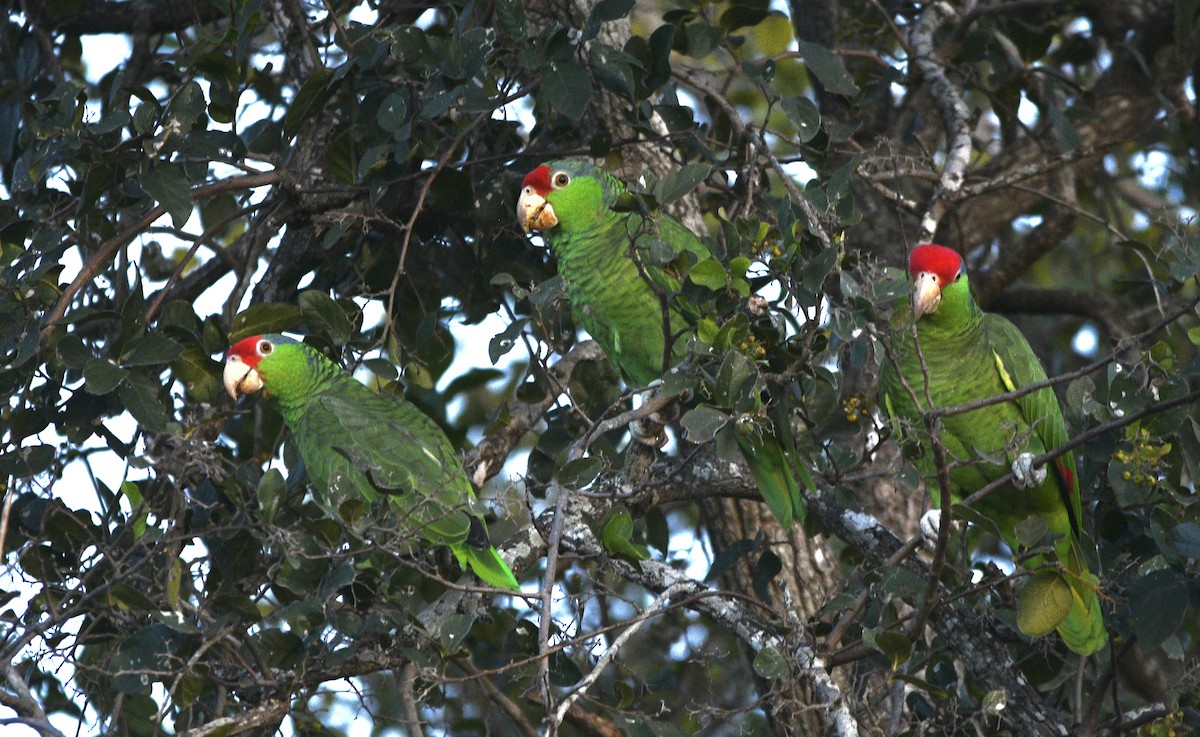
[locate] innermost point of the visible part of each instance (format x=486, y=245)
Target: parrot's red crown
x=539, y=179
x=932, y=258
x=247, y=350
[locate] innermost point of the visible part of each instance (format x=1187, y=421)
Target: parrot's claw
x=1025, y=476
x=930, y=523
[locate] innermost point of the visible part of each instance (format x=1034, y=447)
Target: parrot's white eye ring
x=561, y=179
x=265, y=347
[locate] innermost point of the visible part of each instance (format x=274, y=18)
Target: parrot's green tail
x=775, y=479
x=1083, y=630
x=488, y=565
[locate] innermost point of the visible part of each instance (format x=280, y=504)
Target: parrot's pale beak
x=533, y=212
x=240, y=378
x=928, y=295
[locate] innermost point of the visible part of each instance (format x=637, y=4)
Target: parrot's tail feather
x=491, y=568
x=1083, y=630
x=775, y=479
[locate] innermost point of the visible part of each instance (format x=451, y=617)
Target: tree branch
x=99, y=16
x=953, y=110
x=19, y=698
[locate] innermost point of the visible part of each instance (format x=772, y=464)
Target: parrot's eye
x=265, y=347
x=561, y=179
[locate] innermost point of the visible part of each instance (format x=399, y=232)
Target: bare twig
x=499, y=698
x=656, y=607
x=267, y=714
x=19, y=698
x=109, y=248
x=408, y=701
x=9, y=495
x=546, y=595
x=486, y=460
x=953, y=110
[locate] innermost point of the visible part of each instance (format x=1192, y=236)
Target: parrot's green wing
x=408, y=460
x=1019, y=366
x=1058, y=499
x=378, y=447
x=776, y=479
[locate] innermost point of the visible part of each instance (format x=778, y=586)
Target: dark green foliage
x=248, y=168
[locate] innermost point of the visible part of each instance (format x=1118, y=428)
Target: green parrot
x=361, y=446
x=622, y=296
x=972, y=355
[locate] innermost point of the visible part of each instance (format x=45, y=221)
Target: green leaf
x=1185, y=538
x=1031, y=529
x=133, y=493
x=392, y=113
x=506, y=280
x=142, y=397
x=726, y=558
x=150, y=350
x=743, y=15
x=610, y=10
x=709, y=273
x=187, y=105
x=735, y=383
x=994, y=702
x=827, y=68
x=767, y=569
x=199, y=374
x=804, y=115
x=280, y=649
x=617, y=537
x=658, y=65
x=563, y=671
x=511, y=14
x=167, y=184
x=271, y=492
x=771, y=664
x=658, y=531
x=101, y=376
x=26, y=462
x=678, y=184
x=568, y=88
x=1158, y=602
x=580, y=472
x=504, y=341
x=975, y=517
x=895, y=646
x=73, y=352
x=325, y=317
x=382, y=368
x=314, y=92
x=702, y=423
x=920, y=684
x=900, y=581
x=613, y=69
x=267, y=317
x=453, y=631
x=149, y=650
x=1043, y=603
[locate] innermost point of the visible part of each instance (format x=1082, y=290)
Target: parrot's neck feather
x=295, y=374
x=957, y=320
